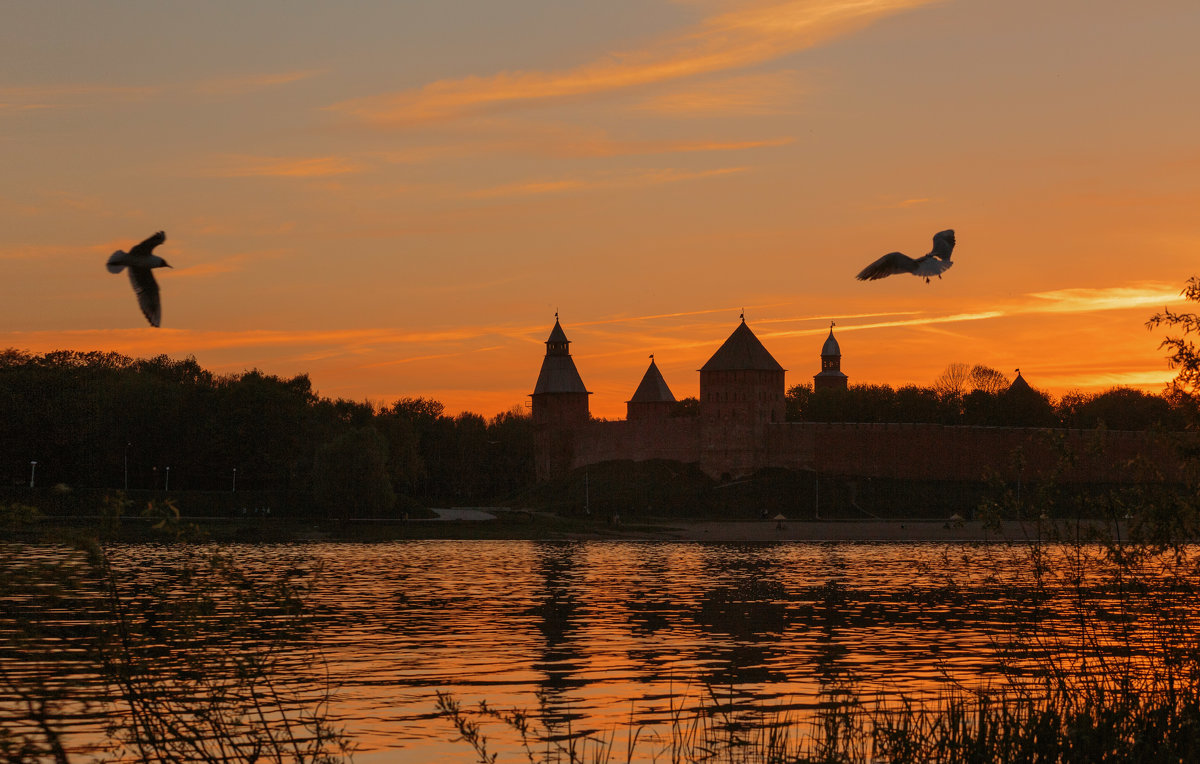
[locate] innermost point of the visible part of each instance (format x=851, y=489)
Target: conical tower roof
x=557, y=335
x=653, y=388
x=742, y=352
x=1019, y=385
x=558, y=374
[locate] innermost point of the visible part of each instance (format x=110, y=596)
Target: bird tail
x=112, y=265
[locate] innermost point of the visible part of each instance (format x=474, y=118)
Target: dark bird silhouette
x=933, y=264
x=140, y=260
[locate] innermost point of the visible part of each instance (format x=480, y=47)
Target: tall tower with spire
x=560, y=406
x=831, y=376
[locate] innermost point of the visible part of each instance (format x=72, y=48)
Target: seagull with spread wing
x=933, y=264
x=141, y=260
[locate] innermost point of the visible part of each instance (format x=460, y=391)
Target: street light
x=167, y=485
x=32, y=472
x=127, y=445
x=234, y=489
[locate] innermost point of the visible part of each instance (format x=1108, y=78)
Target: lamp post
x=167, y=484
x=234, y=488
x=127, y=445
x=32, y=471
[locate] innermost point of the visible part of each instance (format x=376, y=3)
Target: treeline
x=104, y=421
x=993, y=403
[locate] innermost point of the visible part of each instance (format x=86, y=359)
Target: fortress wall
x=673, y=438
x=937, y=452
x=912, y=451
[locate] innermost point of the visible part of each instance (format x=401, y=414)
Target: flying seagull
x=140, y=260
x=933, y=264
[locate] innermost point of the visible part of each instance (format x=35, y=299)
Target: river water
x=605, y=637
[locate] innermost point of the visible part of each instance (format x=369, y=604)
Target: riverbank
x=879, y=531
x=497, y=523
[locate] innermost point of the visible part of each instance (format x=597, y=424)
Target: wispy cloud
x=1110, y=298
x=563, y=142
x=251, y=83
x=1104, y=379
x=950, y=318
x=762, y=32
x=1061, y=301
x=625, y=180
x=767, y=93
x=283, y=167
x=229, y=264
x=71, y=96
x=66, y=96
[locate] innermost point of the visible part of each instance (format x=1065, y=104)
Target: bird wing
x=888, y=265
x=116, y=261
x=145, y=248
x=146, y=289
x=943, y=244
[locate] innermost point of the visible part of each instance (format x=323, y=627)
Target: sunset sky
x=395, y=197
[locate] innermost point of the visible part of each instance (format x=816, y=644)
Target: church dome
x=831, y=346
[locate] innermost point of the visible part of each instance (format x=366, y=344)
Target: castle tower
x=652, y=399
x=741, y=392
x=831, y=376
x=560, y=406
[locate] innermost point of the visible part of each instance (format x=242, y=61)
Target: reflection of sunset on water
x=609, y=632
x=613, y=639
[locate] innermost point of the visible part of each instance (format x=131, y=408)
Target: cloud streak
x=252, y=83
x=1061, y=301
x=563, y=142
x=750, y=94
x=633, y=180
x=762, y=32
x=284, y=167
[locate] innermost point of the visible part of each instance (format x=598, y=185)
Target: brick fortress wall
x=906, y=451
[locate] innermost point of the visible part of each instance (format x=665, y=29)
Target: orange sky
x=395, y=198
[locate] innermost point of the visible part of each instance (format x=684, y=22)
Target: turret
x=652, y=399
x=831, y=376
x=741, y=392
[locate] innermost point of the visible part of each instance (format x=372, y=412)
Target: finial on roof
x=743, y=315
x=556, y=314
x=651, y=356
x=832, y=324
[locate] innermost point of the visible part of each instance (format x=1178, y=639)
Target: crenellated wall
x=907, y=451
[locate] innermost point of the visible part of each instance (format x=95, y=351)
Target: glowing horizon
x=397, y=203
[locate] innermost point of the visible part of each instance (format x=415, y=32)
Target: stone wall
x=905, y=451
x=673, y=438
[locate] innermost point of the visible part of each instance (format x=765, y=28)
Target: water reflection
x=600, y=634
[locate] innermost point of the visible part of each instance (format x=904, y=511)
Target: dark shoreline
x=523, y=525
